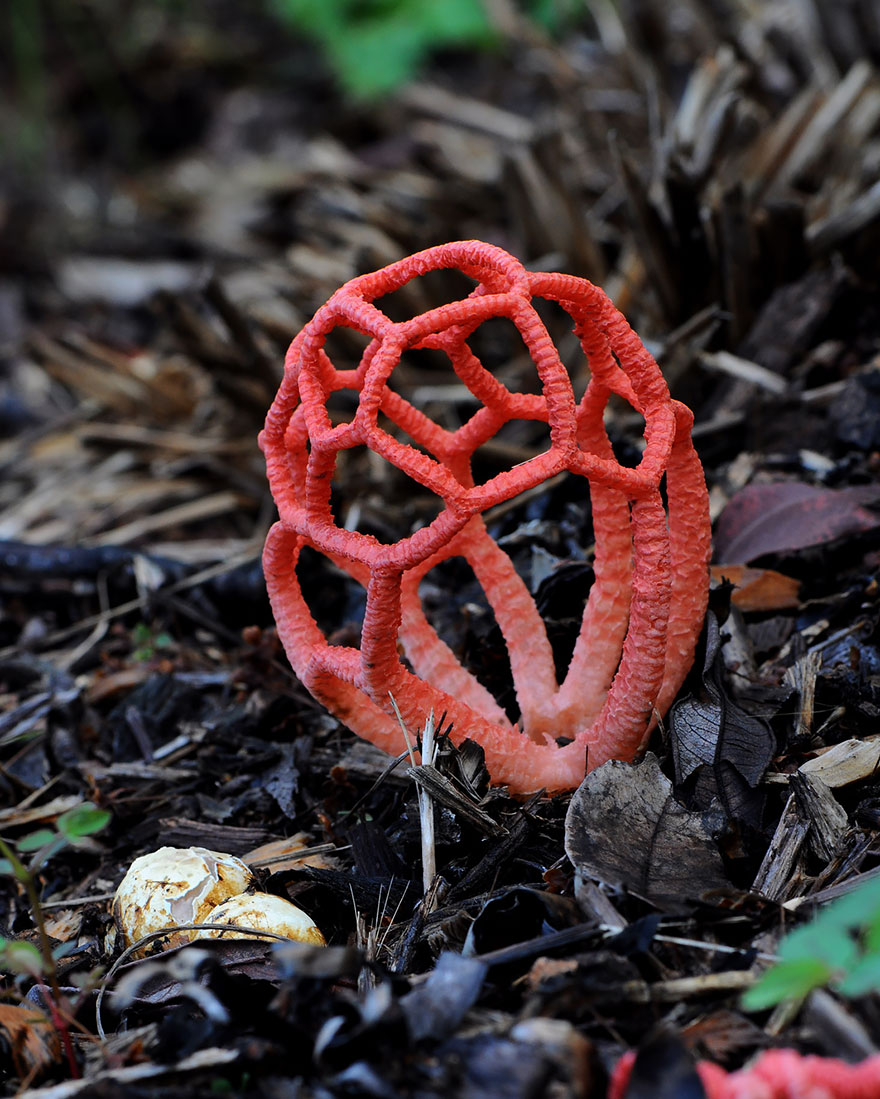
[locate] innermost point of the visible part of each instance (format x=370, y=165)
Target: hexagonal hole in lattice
x=372, y=496
x=424, y=292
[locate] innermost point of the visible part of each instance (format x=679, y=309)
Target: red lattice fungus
x=646, y=605
x=775, y=1074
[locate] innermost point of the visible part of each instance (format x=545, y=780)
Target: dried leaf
x=712, y=732
x=788, y=515
x=758, y=589
x=282, y=781
x=165, y=980
x=624, y=827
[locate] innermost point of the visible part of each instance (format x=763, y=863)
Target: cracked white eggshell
x=173, y=886
x=264, y=912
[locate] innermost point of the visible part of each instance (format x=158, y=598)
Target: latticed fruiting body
x=776, y=1074
x=647, y=601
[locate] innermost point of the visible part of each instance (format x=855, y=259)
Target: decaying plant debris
x=715, y=168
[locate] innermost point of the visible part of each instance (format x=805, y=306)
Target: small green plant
x=148, y=642
x=21, y=860
x=23, y=958
x=839, y=949
x=374, y=46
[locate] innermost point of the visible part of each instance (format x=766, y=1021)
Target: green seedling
x=22, y=860
x=148, y=643
x=839, y=949
x=375, y=46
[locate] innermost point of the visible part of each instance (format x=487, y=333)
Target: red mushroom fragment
x=776, y=1074
x=651, y=524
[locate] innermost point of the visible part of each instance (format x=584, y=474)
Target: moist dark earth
x=182, y=189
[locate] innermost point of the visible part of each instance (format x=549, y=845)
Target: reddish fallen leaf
x=758, y=589
x=788, y=515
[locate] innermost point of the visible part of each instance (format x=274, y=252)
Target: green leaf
x=790, y=980
x=374, y=46
x=22, y=958
x=317, y=17
x=35, y=840
x=832, y=945
x=851, y=911
x=864, y=977
x=82, y=820
x=47, y=851
x=444, y=22
x=6, y=867
x=377, y=57
x=871, y=933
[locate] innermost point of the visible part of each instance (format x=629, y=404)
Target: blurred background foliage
x=374, y=46
x=135, y=73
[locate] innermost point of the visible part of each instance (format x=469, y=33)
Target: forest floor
x=181, y=212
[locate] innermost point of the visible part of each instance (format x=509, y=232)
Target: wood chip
x=849, y=761
x=827, y=817
x=17, y=816
x=723, y=362
x=465, y=111
x=776, y=878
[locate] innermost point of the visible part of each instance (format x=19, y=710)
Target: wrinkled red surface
x=776, y=1074
x=646, y=605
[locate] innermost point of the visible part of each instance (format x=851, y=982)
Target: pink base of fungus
x=776, y=1074
x=646, y=605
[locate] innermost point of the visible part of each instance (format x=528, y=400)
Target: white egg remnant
x=174, y=886
x=263, y=912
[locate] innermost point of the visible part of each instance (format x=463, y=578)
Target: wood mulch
x=716, y=168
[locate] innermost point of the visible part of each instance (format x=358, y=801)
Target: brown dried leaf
x=282, y=854
x=758, y=589
x=789, y=515
x=624, y=827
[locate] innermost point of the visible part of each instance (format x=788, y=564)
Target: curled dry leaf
x=435, y=1008
x=624, y=827
x=714, y=737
